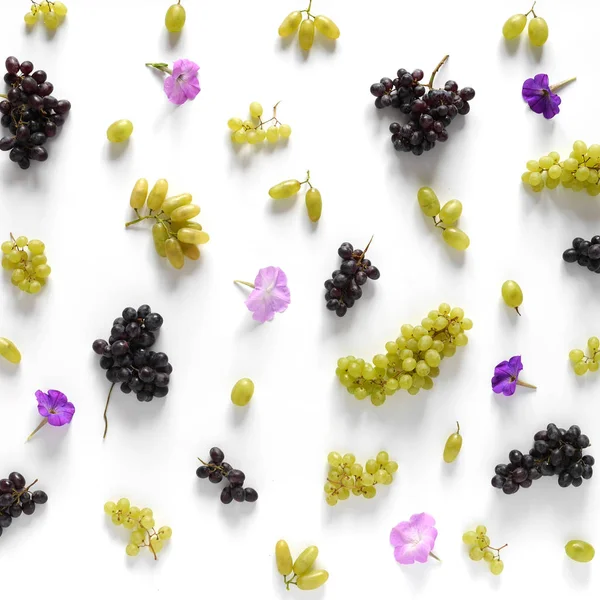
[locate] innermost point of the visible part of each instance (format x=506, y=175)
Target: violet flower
x=506, y=377
x=55, y=408
x=270, y=294
x=541, y=96
x=182, y=83
x=413, y=540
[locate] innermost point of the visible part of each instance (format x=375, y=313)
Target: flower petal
x=57, y=398
x=397, y=536
x=266, y=277
x=542, y=81
x=258, y=304
x=422, y=522
x=63, y=416
x=185, y=67
x=539, y=104
x=404, y=555
x=191, y=88
x=174, y=91
x=516, y=366
x=43, y=399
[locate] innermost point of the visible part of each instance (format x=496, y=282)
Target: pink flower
x=182, y=84
x=414, y=540
x=270, y=294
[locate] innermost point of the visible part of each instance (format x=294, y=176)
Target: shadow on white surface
x=8, y=368
x=535, y=52
x=172, y=39
x=276, y=207
x=511, y=47
x=238, y=414
x=577, y=574
x=116, y=151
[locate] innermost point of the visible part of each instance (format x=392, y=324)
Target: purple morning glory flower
x=541, y=96
x=506, y=377
x=270, y=294
x=55, y=408
x=413, y=540
x=182, y=82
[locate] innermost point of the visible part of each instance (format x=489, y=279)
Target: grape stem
x=290, y=581
x=251, y=285
x=435, y=71
x=437, y=222
x=17, y=495
x=531, y=10
x=213, y=466
x=105, y=411
x=261, y=122
x=44, y=421
x=307, y=180
x=557, y=86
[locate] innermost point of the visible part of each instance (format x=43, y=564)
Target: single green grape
x=481, y=530
x=60, y=9
x=285, y=189
x=593, y=343
x=314, y=204
x=580, y=551
x=242, y=392
x=137, y=537
x=132, y=550
x=120, y=131
x=285, y=131
x=51, y=21
x=327, y=27
x=514, y=26
x=538, y=31
x=580, y=368
x=156, y=544
x=496, y=566
x=307, y=34
x=450, y=212
x=175, y=18
x=174, y=253
x=36, y=247
x=290, y=24
x=456, y=238
x=185, y=213
x=453, y=446
x=256, y=110
x=576, y=355
x=428, y=201
x=469, y=538
x=475, y=553
x=369, y=491
x=283, y=557
x=139, y=194
x=306, y=558
x=331, y=500
x=312, y=580
x=158, y=194
x=191, y=236
x=272, y=134
x=30, y=19
x=488, y=556
x=512, y=294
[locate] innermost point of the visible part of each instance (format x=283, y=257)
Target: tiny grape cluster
x=445, y=217
x=215, y=470
x=17, y=500
x=345, y=286
x=411, y=361
x=52, y=13
x=555, y=452
x=9, y=351
x=290, y=187
x=306, y=36
x=480, y=549
x=175, y=18
x=537, y=30
x=584, y=253
x=252, y=131
x=581, y=362
x=578, y=172
x=299, y=570
x=26, y=262
x=29, y=111
x=128, y=360
x=141, y=524
x=346, y=475
x=430, y=112
x=175, y=235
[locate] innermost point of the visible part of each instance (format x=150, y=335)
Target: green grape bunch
x=347, y=476
x=175, y=235
x=307, y=26
x=253, y=131
x=583, y=363
x=142, y=526
x=444, y=217
x=581, y=171
x=537, y=30
x=411, y=361
x=26, y=262
x=480, y=549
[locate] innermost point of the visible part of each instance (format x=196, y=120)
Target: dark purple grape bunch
x=30, y=112
x=430, y=111
x=345, y=286
x=584, y=253
x=17, y=500
x=128, y=360
x=555, y=452
x=216, y=471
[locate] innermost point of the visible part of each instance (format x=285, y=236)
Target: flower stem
x=441, y=63
x=557, y=86
x=105, y=411
x=44, y=421
x=164, y=67
x=527, y=385
x=244, y=283
x=434, y=556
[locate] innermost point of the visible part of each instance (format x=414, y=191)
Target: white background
x=77, y=203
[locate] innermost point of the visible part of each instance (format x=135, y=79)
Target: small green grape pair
x=582, y=363
x=290, y=187
x=537, y=30
x=444, y=217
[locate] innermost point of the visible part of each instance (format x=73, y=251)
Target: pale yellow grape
x=36, y=247
x=283, y=558
x=419, y=331
x=192, y=236
x=60, y=9
x=129, y=523
x=272, y=134
x=593, y=176
x=382, y=457
x=185, y=213
x=409, y=364
x=174, y=253
x=261, y=134
x=285, y=189
x=580, y=368
x=514, y=26
x=512, y=294
x=43, y=271
x=235, y=123
x=538, y=31
x=160, y=235
x=425, y=343
x=469, y=538
x=380, y=476
x=428, y=201
x=594, y=151
x=453, y=447
x=132, y=550
x=256, y=109
x=306, y=36
x=593, y=366
x=240, y=137
x=139, y=194
x=554, y=172
x=369, y=491
x=242, y=392
x=285, y=131
x=372, y=466
x=175, y=18
x=156, y=545
x=39, y=259
x=158, y=194
x=306, y=559
x=580, y=147
x=349, y=459
x=432, y=358
x=44, y=6
x=533, y=165
x=381, y=361
x=314, y=204
x=456, y=238
x=476, y=553
x=438, y=345
x=17, y=276
x=123, y=505
x=137, y=537
x=496, y=566
x=391, y=467
x=461, y=340
x=312, y=580
x=51, y=20
x=594, y=343
x=30, y=19
x=450, y=212
x=35, y=287
x=327, y=27
x=570, y=164
x=24, y=286
x=119, y=131
x=331, y=500
x=580, y=551
x=7, y=247
x=535, y=179
x=290, y=24
x=488, y=556
x=422, y=369
x=582, y=174
x=21, y=241
x=377, y=398
x=110, y=508
x=405, y=382
x=546, y=162
x=334, y=459
x=525, y=176
x=356, y=470
x=552, y=184
x=117, y=518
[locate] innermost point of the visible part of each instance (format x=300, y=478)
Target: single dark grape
x=583, y=441
x=202, y=472
x=216, y=455
x=153, y=322
x=215, y=477
x=17, y=479
x=236, y=477
x=5, y=520
x=15, y=511
x=378, y=90
x=28, y=508
x=510, y=487
x=515, y=457
x=147, y=374
x=238, y=494
x=250, y=495
x=498, y=481
x=62, y=107
x=6, y=499
x=226, y=496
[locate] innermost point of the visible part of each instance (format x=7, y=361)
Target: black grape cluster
x=345, y=285
x=17, y=500
x=555, y=452
x=216, y=470
x=127, y=357
x=430, y=111
x=30, y=112
x=584, y=253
